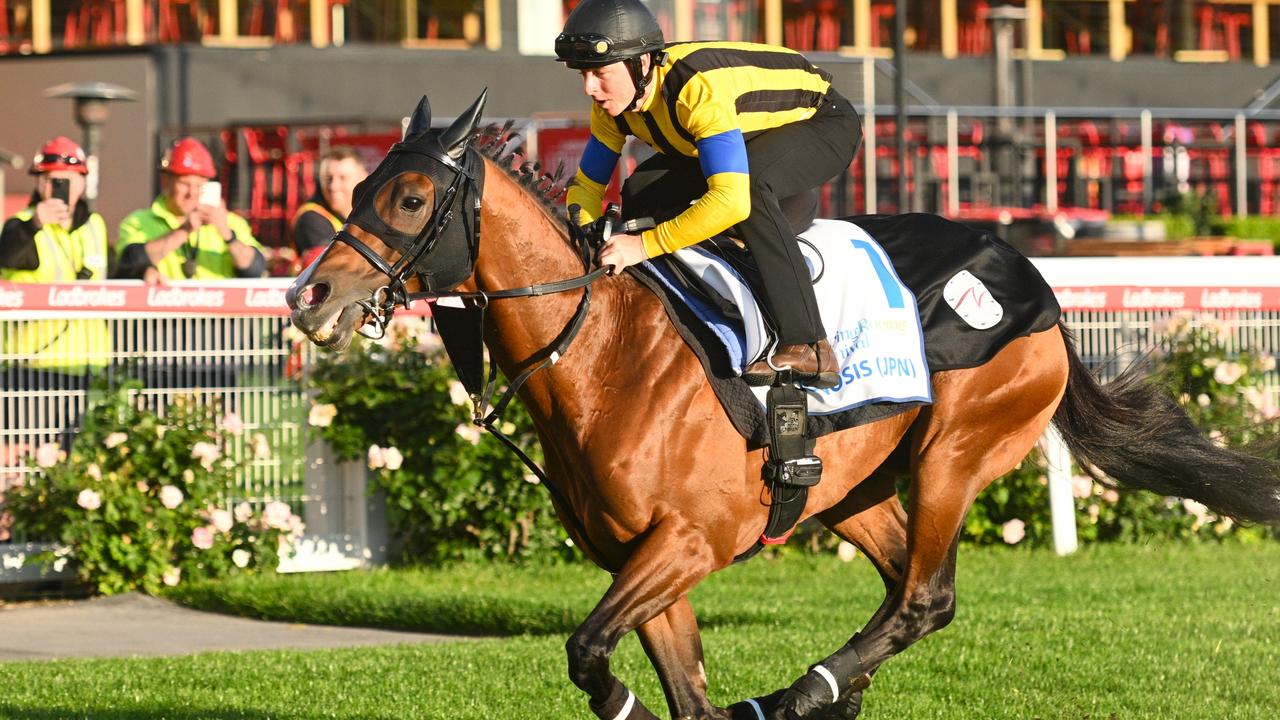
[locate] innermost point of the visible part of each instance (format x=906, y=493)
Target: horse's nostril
x=315, y=294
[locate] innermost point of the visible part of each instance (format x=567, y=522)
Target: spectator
x=187, y=233
x=57, y=239
x=316, y=220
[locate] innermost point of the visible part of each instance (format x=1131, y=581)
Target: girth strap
x=791, y=469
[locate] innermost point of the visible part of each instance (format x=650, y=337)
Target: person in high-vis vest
x=745, y=136
x=321, y=217
x=58, y=239
x=185, y=235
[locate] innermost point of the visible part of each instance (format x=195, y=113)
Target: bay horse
x=653, y=481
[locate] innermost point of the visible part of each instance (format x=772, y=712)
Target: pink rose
x=1228, y=373
x=232, y=423
x=375, y=458
x=392, y=457
x=1013, y=531
x=48, y=455
x=202, y=537
x=94, y=471
x=114, y=439
x=1081, y=486
x=89, y=500
x=172, y=576
x=170, y=496
x=276, y=515
x=261, y=447
x=220, y=520
x=243, y=512
x=206, y=453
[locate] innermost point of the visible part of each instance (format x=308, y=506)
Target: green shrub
x=452, y=492
x=1254, y=227
x=135, y=504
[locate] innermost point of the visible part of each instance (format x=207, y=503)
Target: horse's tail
x=1135, y=433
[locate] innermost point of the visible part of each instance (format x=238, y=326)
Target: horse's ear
x=454, y=140
x=420, y=121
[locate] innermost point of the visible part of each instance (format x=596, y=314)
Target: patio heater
x=1005, y=141
x=91, y=111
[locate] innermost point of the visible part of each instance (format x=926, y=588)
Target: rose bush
x=140, y=501
x=452, y=493
x=1218, y=380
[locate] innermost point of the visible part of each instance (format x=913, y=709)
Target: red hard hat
x=60, y=153
x=188, y=156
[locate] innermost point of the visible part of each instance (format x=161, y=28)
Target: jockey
x=745, y=134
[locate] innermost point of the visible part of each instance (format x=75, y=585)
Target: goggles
x=585, y=47
x=50, y=159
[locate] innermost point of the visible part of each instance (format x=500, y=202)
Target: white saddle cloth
x=870, y=316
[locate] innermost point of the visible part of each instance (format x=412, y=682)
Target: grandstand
x=1131, y=101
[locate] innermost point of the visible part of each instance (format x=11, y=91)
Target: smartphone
x=60, y=188
x=211, y=193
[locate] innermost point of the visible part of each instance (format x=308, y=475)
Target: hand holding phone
x=211, y=193
x=60, y=188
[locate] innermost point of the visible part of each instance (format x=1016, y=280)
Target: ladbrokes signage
x=134, y=297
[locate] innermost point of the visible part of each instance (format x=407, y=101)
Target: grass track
x=1129, y=632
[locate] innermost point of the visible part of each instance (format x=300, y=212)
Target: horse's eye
x=411, y=204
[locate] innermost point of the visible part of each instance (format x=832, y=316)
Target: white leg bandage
x=626, y=706
x=831, y=680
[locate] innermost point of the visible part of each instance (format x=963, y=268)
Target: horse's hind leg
x=983, y=423
x=872, y=518
x=672, y=642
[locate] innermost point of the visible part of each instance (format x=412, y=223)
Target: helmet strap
x=639, y=77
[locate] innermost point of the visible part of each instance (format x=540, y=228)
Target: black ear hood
x=446, y=248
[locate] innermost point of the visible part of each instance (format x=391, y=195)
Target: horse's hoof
x=761, y=708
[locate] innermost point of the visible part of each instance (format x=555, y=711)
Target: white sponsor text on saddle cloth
x=870, y=316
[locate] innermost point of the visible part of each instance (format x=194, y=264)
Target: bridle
x=381, y=303
x=465, y=343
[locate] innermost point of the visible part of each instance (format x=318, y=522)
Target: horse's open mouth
x=334, y=331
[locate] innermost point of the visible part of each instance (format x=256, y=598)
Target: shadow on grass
x=8, y=710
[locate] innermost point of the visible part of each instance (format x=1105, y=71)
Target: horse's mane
x=506, y=150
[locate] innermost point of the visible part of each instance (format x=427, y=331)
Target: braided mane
x=506, y=150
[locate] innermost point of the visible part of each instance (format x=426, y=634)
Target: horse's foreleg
x=672, y=642
x=666, y=564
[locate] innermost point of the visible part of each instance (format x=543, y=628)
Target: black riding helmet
x=602, y=32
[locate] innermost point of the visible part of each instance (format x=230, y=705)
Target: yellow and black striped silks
x=709, y=98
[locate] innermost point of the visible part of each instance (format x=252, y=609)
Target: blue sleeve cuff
x=598, y=161
x=726, y=152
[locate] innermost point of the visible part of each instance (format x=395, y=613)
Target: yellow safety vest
x=316, y=207
x=69, y=346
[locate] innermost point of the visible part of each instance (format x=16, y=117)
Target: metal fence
x=188, y=340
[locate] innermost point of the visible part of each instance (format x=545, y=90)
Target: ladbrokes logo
x=265, y=298
x=178, y=297
x=87, y=297
x=11, y=299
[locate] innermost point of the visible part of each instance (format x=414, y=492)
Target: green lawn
x=1124, y=632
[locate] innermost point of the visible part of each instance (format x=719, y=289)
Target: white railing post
x=1061, y=504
